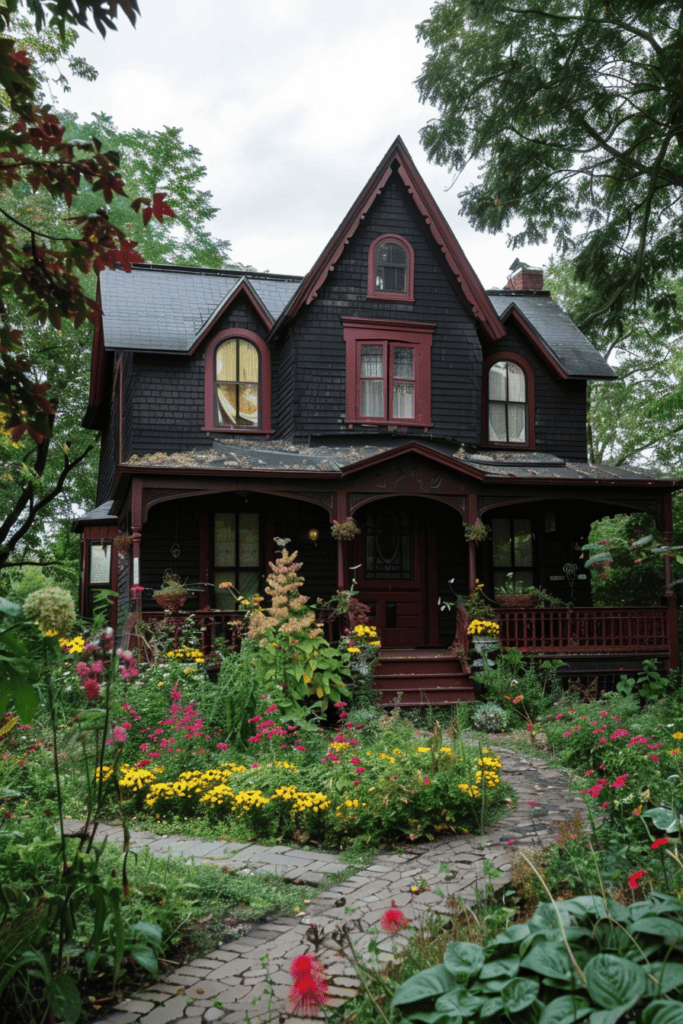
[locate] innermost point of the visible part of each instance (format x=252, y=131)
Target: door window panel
x=237, y=547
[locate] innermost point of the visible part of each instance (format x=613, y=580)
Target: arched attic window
x=391, y=265
x=237, y=384
x=508, y=405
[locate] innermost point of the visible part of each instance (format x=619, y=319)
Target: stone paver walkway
x=248, y=979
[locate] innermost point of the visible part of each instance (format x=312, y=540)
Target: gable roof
x=562, y=340
x=473, y=291
x=166, y=309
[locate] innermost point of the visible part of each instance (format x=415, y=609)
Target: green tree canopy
x=574, y=110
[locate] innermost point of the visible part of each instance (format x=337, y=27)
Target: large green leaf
x=663, y=1011
x=507, y=966
x=613, y=981
x=565, y=1010
x=595, y=907
x=9, y=608
x=492, y=1008
x=64, y=999
x=663, y=818
x=464, y=958
x=432, y=1017
x=550, y=960
x=668, y=975
x=433, y=981
x=519, y=993
x=511, y=936
x=149, y=930
x=145, y=956
x=459, y=1001
x=608, y=1016
x=664, y=927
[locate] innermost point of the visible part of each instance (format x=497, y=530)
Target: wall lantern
x=313, y=534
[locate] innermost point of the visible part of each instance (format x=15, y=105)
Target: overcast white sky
x=292, y=103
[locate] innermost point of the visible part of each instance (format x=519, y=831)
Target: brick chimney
x=523, y=278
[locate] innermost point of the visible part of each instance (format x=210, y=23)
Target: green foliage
x=52, y=608
x=586, y=957
x=515, y=674
x=490, y=718
x=590, y=147
x=630, y=573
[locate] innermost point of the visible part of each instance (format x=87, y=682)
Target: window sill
x=236, y=430
x=391, y=297
x=507, y=446
x=426, y=424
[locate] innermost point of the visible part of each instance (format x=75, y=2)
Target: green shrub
x=585, y=958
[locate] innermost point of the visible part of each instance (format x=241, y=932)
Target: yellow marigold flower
x=678, y=735
x=675, y=751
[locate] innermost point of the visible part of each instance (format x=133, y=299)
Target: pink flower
x=619, y=734
x=620, y=781
x=565, y=734
x=299, y=747
x=355, y=760
x=635, y=877
x=309, y=991
x=558, y=716
x=662, y=841
x=119, y=734
x=394, y=919
x=591, y=771
x=532, y=803
x=357, y=782
x=603, y=806
x=360, y=770
x=426, y=781
x=221, y=746
x=144, y=747
x=510, y=842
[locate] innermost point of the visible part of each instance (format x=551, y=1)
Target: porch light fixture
x=313, y=534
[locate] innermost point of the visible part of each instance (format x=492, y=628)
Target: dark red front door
x=392, y=575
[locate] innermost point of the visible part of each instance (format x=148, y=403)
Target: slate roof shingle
x=163, y=309
x=560, y=335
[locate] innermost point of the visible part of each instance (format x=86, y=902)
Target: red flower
x=662, y=841
x=633, y=880
x=309, y=991
x=394, y=919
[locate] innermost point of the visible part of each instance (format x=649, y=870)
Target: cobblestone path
x=229, y=985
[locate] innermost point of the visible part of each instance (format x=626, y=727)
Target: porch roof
x=271, y=457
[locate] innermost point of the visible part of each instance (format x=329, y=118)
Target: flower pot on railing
x=485, y=644
x=172, y=595
x=516, y=600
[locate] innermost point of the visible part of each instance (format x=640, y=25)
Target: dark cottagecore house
x=388, y=385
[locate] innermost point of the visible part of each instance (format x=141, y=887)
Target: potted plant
x=516, y=594
x=172, y=594
x=484, y=634
x=476, y=531
x=346, y=530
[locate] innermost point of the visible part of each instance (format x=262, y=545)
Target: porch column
x=671, y=610
x=471, y=545
x=136, y=532
x=342, y=513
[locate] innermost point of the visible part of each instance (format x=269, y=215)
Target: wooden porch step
x=422, y=676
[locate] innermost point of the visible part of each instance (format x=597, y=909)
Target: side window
x=508, y=406
x=390, y=269
x=237, y=384
x=99, y=570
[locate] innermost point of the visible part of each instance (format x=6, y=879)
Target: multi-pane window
x=507, y=404
x=513, y=551
x=387, y=381
x=237, y=384
x=388, y=545
x=236, y=556
x=391, y=268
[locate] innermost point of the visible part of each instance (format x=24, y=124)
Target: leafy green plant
x=587, y=957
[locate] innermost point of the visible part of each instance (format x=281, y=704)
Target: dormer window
x=237, y=384
x=509, y=394
x=390, y=269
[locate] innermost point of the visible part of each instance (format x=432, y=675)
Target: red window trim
x=373, y=291
x=403, y=332
x=264, y=383
x=509, y=357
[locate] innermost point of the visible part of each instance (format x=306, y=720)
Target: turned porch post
x=671, y=610
x=471, y=517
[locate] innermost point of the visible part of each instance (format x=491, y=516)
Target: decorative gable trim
x=474, y=294
x=243, y=288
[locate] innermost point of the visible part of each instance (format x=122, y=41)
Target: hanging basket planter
x=171, y=603
x=476, y=531
x=346, y=530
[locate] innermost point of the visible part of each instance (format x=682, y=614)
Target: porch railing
x=226, y=625
x=586, y=630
